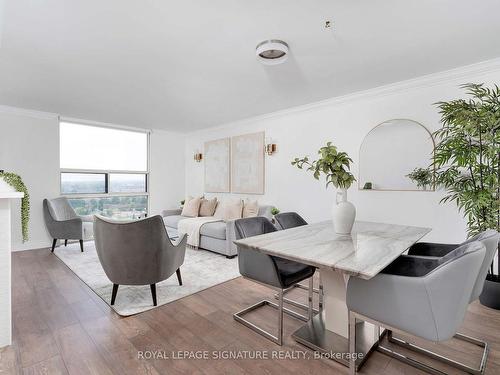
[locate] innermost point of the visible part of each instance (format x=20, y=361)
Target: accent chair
x=137, y=252
x=63, y=223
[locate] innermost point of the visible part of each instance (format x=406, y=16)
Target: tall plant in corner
x=335, y=165
x=467, y=157
x=17, y=183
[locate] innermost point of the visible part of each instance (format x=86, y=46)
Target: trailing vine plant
x=17, y=183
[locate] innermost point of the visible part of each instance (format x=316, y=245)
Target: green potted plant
x=467, y=165
x=335, y=165
x=274, y=211
x=422, y=177
x=16, y=182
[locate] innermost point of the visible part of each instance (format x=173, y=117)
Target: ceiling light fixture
x=272, y=52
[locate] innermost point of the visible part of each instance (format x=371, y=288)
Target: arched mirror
x=395, y=155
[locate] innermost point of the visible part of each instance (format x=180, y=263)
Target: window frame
x=107, y=172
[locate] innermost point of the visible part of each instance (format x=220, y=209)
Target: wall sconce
x=198, y=157
x=271, y=148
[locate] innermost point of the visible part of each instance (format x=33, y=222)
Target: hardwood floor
x=60, y=326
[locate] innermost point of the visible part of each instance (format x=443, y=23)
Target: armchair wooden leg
x=65, y=243
x=81, y=245
x=54, y=242
x=153, y=293
x=179, y=277
x=113, y=294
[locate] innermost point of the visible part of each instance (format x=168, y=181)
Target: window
x=104, y=171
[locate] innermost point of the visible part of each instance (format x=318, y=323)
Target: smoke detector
x=272, y=52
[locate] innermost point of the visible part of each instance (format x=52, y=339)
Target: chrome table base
x=330, y=345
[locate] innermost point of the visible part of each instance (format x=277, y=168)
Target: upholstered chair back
x=138, y=252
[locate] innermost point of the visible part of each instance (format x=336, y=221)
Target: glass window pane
x=83, y=183
x=118, y=208
x=97, y=148
x=127, y=183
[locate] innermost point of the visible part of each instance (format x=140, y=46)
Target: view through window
x=104, y=171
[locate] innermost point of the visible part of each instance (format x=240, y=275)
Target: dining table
x=364, y=253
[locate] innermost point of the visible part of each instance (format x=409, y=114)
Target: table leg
x=327, y=333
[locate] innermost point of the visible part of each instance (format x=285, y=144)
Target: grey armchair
x=428, y=301
x=138, y=252
x=64, y=224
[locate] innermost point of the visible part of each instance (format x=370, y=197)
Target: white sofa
x=216, y=236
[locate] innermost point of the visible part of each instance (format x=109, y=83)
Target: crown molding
x=28, y=112
x=429, y=80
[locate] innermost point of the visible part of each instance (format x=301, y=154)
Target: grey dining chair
x=63, y=223
x=430, y=250
x=276, y=273
x=138, y=252
x=287, y=220
x=424, y=297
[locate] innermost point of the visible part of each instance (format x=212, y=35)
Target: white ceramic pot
x=344, y=213
x=5, y=187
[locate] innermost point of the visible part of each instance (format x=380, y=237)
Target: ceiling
x=190, y=64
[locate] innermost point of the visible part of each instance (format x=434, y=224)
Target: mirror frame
x=433, y=185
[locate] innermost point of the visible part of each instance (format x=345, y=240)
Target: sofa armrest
x=230, y=238
x=172, y=212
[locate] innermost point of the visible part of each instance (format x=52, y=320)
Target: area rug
x=201, y=270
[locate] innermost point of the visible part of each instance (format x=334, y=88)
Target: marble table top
x=364, y=253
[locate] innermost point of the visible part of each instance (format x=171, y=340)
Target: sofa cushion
x=216, y=229
x=172, y=221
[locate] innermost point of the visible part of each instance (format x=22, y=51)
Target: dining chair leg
x=280, y=318
x=153, y=293
x=320, y=297
x=179, y=277
x=65, y=243
x=113, y=294
x=54, y=242
x=81, y=245
x=352, y=343
x=310, y=298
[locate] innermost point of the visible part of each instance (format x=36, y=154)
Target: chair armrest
x=67, y=229
x=391, y=299
x=171, y=212
x=431, y=249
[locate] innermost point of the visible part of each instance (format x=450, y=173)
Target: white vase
x=344, y=213
x=5, y=187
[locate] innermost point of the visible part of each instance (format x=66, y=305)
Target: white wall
x=29, y=146
x=166, y=182
x=345, y=121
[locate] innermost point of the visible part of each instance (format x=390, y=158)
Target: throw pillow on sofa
x=229, y=210
x=207, y=207
x=250, y=208
x=191, y=207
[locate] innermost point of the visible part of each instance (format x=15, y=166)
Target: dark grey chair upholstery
x=274, y=272
x=287, y=220
x=138, y=252
x=427, y=298
x=488, y=238
x=63, y=223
